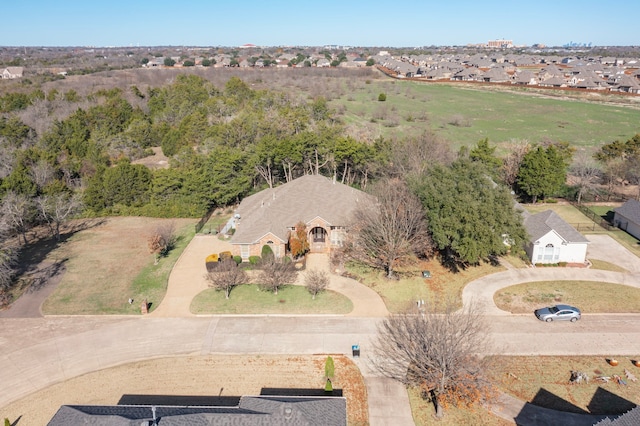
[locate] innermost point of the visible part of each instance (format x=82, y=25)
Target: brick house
x=268, y=217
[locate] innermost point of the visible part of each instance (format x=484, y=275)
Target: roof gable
x=540, y=224
x=630, y=210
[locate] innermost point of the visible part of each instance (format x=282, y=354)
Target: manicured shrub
x=237, y=259
x=225, y=255
x=266, y=251
x=254, y=260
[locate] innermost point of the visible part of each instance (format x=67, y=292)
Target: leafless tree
x=162, y=240
x=390, y=229
x=17, y=212
x=56, y=209
x=584, y=174
x=412, y=156
x=437, y=351
x=8, y=259
x=511, y=164
x=7, y=153
x=276, y=272
x=226, y=276
x=316, y=281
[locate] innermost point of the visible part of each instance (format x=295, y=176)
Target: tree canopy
x=470, y=216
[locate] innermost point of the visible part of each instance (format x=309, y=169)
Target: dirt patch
x=156, y=161
x=196, y=376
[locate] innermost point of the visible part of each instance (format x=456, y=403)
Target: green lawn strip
x=401, y=294
x=544, y=381
x=606, y=266
x=589, y=296
x=250, y=299
x=151, y=283
x=215, y=222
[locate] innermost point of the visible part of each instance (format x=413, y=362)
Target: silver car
x=558, y=313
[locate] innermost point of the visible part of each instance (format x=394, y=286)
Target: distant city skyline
x=287, y=23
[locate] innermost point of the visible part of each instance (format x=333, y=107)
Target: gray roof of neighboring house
x=252, y=410
x=630, y=210
x=540, y=224
x=630, y=418
x=303, y=199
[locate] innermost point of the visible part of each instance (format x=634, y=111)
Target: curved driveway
x=40, y=352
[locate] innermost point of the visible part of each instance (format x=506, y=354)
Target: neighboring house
x=630, y=418
x=251, y=410
x=11, y=73
x=627, y=217
x=552, y=240
x=268, y=217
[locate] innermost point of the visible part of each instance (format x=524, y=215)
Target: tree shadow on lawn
x=34, y=254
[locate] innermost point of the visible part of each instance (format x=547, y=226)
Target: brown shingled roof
x=303, y=199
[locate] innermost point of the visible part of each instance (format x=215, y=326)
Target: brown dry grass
x=196, y=376
x=544, y=381
x=589, y=296
x=102, y=263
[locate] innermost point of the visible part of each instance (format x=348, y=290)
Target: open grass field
x=464, y=114
x=589, y=296
x=250, y=299
x=110, y=263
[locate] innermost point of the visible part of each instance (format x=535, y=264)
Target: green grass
x=501, y=115
x=606, y=266
x=250, y=299
x=401, y=295
x=589, y=296
x=567, y=212
x=151, y=283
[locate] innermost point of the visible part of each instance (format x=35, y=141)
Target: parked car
x=558, y=313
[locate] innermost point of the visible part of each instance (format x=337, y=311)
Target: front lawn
x=403, y=293
x=589, y=296
x=250, y=299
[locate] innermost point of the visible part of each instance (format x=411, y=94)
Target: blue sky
x=279, y=22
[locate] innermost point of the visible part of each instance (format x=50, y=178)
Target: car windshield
x=553, y=309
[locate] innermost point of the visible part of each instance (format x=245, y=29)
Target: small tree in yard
x=316, y=281
x=329, y=368
x=226, y=276
x=436, y=352
x=162, y=240
x=275, y=273
x=298, y=241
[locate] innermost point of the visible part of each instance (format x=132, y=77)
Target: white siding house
x=552, y=240
x=627, y=217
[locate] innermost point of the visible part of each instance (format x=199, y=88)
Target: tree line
x=227, y=142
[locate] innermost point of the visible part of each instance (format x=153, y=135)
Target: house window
x=337, y=236
x=549, y=254
x=244, y=251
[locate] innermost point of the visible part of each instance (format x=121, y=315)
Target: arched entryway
x=318, y=239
